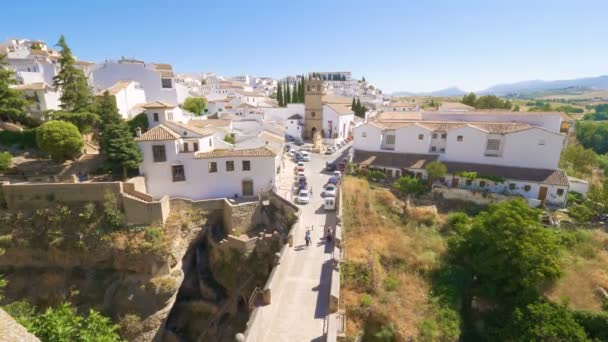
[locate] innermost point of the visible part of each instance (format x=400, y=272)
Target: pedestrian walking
x=311, y=190
x=307, y=239
x=329, y=233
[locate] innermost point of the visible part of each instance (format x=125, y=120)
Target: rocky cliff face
x=185, y=281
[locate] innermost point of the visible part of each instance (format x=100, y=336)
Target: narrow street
x=299, y=312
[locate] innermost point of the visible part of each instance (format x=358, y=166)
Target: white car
x=305, y=156
x=301, y=163
x=303, y=197
x=337, y=174
x=329, y=190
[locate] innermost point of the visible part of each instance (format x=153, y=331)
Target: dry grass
x=382, y=242
x=585, y=270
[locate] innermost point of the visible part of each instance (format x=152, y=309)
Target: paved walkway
x=299, y=310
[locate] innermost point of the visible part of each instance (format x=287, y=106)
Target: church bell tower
x=313, y=108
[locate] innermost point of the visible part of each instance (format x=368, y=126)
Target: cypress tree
x=119, y=149
x=294, y=93
x=107, y=110
x=359, y=108
x=353, y=106
x=12, y=103
x=279, y=94
x=287, y=95
x=76, y=96
x=302, y=81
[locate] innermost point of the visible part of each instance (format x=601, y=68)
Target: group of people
x=328, y=236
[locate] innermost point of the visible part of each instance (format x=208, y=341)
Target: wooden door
x=247, y=188
x=542, y=193
x=454, y=182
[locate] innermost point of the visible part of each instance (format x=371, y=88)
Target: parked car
x=305, y=156
x=329, y=190
x=331, y=167
x=298, y=157
x=330, y=203
x=300, y=163
x=342, y=165
x=289, y=138
x=333, y=180
x=299, y=168
x=303, y=197
x=337, y=174
x=301, y=176
x=328, y=151
x=298, y=142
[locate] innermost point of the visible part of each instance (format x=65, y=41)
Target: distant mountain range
x=524, y=87
x=452, y=91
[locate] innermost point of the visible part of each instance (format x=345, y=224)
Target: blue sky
x=415, y=45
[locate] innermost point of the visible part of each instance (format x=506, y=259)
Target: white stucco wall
x=200, y=183
x=128, y=98
x=105, y=75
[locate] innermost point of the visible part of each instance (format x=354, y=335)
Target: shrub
x=112, y=216
x=375, y=175
x=595, y=324
x=581, y=213
x=458, y=222
x=130, y=326
x=5, y=160
x=25, y=139
x=391, y=283
x=408, y=185
x=164, y=286
x=366, y=300
x=60, y=139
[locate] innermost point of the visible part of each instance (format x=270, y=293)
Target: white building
x=294, y=126
x=188, y=158
x=516, y=157
x=130, y=97
x=157, y=80
x=41, y=97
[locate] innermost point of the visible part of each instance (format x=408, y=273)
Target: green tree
x=408, y=185
x=509, y=253
x=84, y=121
x=12, y=102
x=593, y=135
x=63, y=324
x=119, y=149
x=469, y=99
x=353, y=105
x=578, y=161
x=5, y=161
x=107, y=110
x=76, y=96
x=435, y=170
x=516, y=108
x=60, y=139
x=229, y=138
x=294, y=93
x=139, y=121
x=541, y=321
x=195, y=105
x=280, y=94
x=287, y=97
x=363, y=79
x=301, y=89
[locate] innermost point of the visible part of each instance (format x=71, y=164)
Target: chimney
x=138, y=132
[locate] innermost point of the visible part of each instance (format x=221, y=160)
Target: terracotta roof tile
x=396, y=160
x=419, y=161
x=550, y=177
x=158, y=133
x=158, y=104
x=228, y=153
